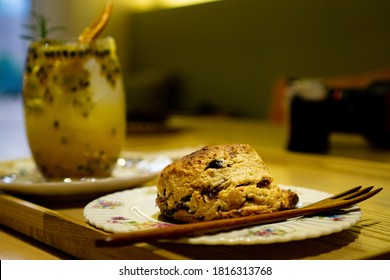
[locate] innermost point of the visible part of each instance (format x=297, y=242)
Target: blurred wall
x=229, y=53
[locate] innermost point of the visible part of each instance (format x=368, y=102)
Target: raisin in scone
x=218, y=182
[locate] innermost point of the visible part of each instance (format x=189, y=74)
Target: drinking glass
x=74, y=107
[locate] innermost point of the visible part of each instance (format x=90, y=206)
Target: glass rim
x=106, y=42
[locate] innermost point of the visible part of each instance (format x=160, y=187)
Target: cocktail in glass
x=74, y=106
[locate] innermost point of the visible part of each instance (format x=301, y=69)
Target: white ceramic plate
x=22, y=177
x=135, y=209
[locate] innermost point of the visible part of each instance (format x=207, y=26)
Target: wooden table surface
x=350, y=162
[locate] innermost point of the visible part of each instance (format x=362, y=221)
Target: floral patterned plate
x=22, y=177
x=135, y=209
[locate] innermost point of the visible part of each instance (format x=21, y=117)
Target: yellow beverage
x=74, y=107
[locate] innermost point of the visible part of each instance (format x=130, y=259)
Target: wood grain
x=64, y=233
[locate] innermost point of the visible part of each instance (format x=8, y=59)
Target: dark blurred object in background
x=316, y=111
x=151, y=96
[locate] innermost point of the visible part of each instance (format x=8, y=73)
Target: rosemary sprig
x=40, y=29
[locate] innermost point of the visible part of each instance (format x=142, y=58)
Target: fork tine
x=325, y=200
x=364, y=196
x=353, y=190
x=341, y=203
x=357, y=199
x=347, y=193
x=358, y=193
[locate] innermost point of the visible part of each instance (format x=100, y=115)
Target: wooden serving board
x=68, y=233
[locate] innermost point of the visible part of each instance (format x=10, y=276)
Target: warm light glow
x=144, y=5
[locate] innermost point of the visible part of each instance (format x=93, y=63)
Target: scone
x=218, y=182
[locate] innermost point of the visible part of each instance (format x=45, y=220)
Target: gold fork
x=338, y=201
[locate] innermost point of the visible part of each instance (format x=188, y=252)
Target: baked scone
x=217, y=182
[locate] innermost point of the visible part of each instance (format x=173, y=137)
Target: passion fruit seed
x=48, y=96
x=64, y=140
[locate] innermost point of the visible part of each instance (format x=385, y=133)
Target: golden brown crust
x=217, y=182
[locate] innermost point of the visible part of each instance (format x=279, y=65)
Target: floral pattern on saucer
x=106, y=204
x=267, y=232
x=135, y=225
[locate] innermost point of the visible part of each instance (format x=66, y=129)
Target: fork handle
x=200, y=228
